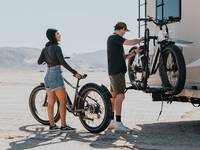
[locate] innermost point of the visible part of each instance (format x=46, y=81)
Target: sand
x=178, y=127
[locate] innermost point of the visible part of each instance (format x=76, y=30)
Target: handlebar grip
x=143, y=19
x=83, y=76
x=153, y=37
x=67, y=57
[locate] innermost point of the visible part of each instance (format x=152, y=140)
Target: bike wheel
x=96, y=108
x=38, y=105
x=172, y=69
x=131, y=70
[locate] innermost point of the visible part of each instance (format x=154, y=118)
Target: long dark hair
x=50, y=33
x=49, y=43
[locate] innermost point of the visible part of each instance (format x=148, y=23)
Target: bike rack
x=143, y=3
x=163, y=93
x=159, y=90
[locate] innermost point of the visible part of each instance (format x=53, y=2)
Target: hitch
x=156, y=90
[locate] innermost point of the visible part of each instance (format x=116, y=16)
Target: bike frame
x=73, y=105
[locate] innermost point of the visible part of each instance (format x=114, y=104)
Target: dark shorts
x=117, y=83
x=54, y=79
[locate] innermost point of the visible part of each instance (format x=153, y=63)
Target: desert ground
x=177, y=129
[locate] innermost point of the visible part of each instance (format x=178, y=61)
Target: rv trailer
x=185, y=34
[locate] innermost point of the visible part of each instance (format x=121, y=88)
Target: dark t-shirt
x=115, y=55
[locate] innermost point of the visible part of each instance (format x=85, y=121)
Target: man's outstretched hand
x=141, y=39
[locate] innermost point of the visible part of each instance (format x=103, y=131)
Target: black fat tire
x=32, y=106
x=180, y=62
x=107, y=104
x=130, y=71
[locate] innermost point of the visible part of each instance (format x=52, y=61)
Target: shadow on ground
x=172, y=135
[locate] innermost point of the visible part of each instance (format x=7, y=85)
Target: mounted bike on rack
x=167, y=58
x=92, y=104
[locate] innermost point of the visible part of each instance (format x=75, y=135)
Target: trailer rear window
x=168, y=11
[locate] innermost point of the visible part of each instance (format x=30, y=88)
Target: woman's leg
x=61, y=94
x=51, y=101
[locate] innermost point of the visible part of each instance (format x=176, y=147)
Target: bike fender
x=104, y=89
x=41, y=84
x=167, y=43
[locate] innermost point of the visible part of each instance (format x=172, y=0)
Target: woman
x=54, y=83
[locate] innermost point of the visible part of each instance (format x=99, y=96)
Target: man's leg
x=113, y=105
x=118, y=104
x=119, y=90
x=119, y=126
x=112, y=124
x=117, y=87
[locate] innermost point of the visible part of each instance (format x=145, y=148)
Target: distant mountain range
x=26, y=58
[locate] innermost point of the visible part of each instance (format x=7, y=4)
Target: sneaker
x=112, y=125
x=67, y=129
x=119, y=126
x=53, y=128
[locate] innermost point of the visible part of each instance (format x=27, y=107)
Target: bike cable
x=161, y=110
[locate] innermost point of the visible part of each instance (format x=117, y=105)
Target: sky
x=84, y=24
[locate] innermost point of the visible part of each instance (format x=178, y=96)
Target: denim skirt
x=53, y=79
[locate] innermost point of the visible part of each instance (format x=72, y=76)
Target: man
x=116, y=70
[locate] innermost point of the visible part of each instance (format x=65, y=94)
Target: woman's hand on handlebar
x=78, y=76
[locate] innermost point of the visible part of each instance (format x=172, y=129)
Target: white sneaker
x=112, y=125
x=119, y=126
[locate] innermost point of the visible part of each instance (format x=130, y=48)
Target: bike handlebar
x=149, y=19
x=143, y=19
x=83, y=76
x=153, y=37
x=67, y=57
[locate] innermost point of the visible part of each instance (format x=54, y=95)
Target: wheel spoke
x=41, y=104
x=172, y=71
